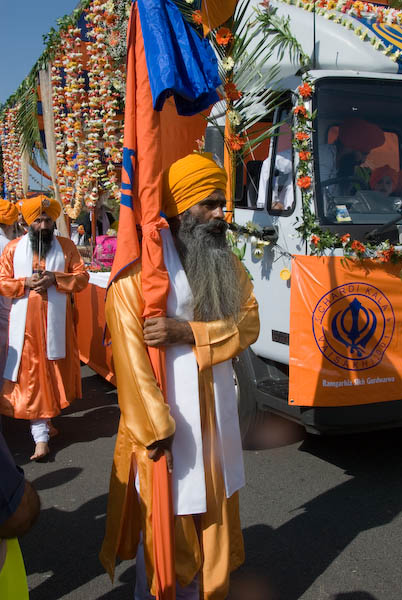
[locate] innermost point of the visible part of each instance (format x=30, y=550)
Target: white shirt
x=282, y=183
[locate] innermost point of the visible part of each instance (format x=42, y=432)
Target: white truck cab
x=353, y=82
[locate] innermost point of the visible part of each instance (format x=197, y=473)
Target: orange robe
x=44, y=386
x=145, y=418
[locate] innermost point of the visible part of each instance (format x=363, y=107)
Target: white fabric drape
x=56, y=308
x=189, y=492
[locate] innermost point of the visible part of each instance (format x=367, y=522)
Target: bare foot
x=52, y=430
x=41, y=450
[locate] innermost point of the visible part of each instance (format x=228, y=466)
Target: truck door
x=271, y=199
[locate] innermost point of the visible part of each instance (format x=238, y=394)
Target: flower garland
x=11, y=151
x=357, y=9
x=259, y=237
x=69, y=105
x=88, y=128
x=320, y=239
x=103, y=125
x=1, y=172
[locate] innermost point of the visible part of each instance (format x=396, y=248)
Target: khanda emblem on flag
x=353, y=325
x=359, y=331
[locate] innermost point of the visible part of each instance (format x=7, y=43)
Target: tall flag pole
x=157, y=69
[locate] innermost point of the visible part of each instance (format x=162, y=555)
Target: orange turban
x=8, y=212
x=381, y=172
x=32, y=208
x=190, y=180
x=361, y=135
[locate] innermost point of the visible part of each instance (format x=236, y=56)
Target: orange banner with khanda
x=346, y=338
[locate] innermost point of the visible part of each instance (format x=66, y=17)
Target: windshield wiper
x=371, y=235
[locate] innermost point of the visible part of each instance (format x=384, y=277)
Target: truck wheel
x=246, y=402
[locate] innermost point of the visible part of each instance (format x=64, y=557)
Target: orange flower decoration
x=305, y=90
x=345, y=238
x=304, y=182
x=304, y=155
x=114, y=38
x=301, y=136
x=300, y=110
x=224, y=36
x=232, y=92
x=236, y=142
x=358, y=246
x=197, y=17
x=315, y=239
x=385, y=255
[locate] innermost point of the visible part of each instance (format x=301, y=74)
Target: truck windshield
x=358, y=134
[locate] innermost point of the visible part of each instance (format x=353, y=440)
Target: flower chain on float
x=11, y=152
x=104, y=129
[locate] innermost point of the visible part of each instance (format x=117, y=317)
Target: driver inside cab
x=342, y=160
x=384, y=180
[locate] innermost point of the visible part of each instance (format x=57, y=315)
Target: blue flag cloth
x=179, y=61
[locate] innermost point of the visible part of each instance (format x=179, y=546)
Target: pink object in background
x=105, y=250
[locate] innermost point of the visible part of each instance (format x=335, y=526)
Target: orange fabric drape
x=142, y=156
x=216, y=12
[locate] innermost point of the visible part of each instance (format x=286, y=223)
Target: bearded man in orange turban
x=212, y=316
x=40, y=272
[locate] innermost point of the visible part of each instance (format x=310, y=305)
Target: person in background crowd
x=384, y=180
x=19, y=509
x=79, y=236
x=8, y=216
x=21, y=227
x=42, y=372
x=212, y=317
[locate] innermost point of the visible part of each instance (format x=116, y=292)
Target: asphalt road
x=321, y=517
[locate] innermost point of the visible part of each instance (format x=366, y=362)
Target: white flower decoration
x=228, y=63
x=234, y=117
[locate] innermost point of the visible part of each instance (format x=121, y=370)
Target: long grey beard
x=210, y=267
x=46, y=241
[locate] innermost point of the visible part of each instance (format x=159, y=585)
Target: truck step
x=278, y=389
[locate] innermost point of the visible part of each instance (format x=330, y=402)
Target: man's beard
x=46, y=241
x=210, y=267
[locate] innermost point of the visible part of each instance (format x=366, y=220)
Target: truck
x=354, y=78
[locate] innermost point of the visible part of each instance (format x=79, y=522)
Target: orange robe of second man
x=44, y=387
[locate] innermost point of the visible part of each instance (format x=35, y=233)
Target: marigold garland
x=87, y=125
x=11, y=151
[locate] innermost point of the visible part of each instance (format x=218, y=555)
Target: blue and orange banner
x=346, y=332
x=159, y=70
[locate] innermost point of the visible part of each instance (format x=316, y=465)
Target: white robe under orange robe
x=145, y=418
x=44, y=387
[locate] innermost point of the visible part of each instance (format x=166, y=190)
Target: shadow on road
x=354, y=596
x=293, y=556
x=56, y=478
x=68, y=556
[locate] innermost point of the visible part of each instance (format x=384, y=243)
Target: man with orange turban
x=40, y=271
x=8, y=216
x=384, y=179
x=342, y=160
x=212, y=316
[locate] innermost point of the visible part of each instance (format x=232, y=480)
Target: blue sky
x=22, y=24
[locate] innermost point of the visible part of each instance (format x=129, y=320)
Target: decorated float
x=291, y=73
